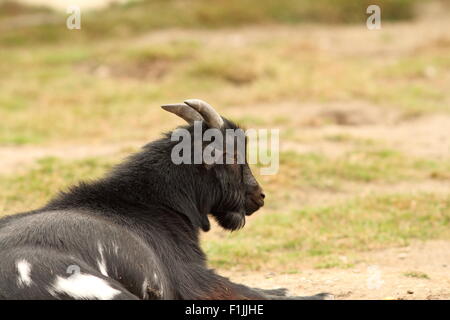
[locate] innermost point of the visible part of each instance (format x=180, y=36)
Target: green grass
x=281, y=239
x=32, y=189
x=300, y=171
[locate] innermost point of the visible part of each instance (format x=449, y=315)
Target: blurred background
x=364, y=119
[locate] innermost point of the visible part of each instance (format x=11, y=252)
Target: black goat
x=134, y=234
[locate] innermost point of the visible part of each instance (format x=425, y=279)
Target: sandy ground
x=419, y=271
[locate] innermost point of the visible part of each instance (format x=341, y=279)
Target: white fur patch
x=84, y=286
x=24, y=268
x=161, y=290
x=144, y=289
x=102, y=262
x=115, y=248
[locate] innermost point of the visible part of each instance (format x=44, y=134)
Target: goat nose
x=263, y=195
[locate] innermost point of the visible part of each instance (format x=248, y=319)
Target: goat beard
x=231, y=220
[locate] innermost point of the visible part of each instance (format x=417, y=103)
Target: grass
x=361, y=166
x=109, y=82
x=35, y=187
x=108, y=88
x=416, y=274
x=279, y=239
x=136, y=17
x=299, y=172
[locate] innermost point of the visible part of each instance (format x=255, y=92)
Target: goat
x=134, y=234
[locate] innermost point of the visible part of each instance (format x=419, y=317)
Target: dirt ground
x=419, y=271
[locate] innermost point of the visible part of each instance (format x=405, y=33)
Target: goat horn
x=212, y=118
x=183, y=111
